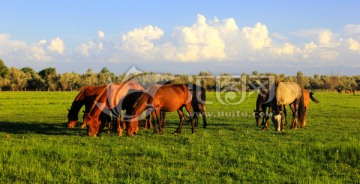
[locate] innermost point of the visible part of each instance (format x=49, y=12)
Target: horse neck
x=99, y=103
x=76, y=106
x=78, y=102
x=141, y=104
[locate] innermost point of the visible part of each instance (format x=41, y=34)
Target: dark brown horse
x=198, y=103
x=85, y=97
x=167, y=98
x=261, y=117
x=288, y=93
x=109, y=99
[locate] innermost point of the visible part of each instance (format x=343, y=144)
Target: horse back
x=287, y=92
x=172, y=96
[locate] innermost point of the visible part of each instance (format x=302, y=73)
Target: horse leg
x=157, y=121
x=293, y=109
x=202, y=110
x=196, y=119
x=282, y=117
x=162, y=116
x=181, y=116
x=188, y=109
x=265, y=121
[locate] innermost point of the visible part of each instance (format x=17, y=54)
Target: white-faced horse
x=288, y=93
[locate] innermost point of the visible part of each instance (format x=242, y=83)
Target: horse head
x=92, y=124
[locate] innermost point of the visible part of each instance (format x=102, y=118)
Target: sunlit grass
x=36, y=146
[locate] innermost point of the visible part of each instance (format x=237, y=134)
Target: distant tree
x=4, y=70
x=105, y=76
x=302, y=80
x=18, y=79
x=50, y=77
x=207, y=80
x=69, y=81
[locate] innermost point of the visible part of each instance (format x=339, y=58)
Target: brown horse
x=167, y=98
x=109, y=99
x=288, y=93
x=307, y=97
x=85, y=97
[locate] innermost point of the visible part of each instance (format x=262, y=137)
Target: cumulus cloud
x=198, y=42
x=19, y=51
x=203, y=40
x=140, y=40
x=354, y=45
x=56, y=45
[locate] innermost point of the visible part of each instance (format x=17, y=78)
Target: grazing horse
x=85, y=97
x=350, y=91
x=260, y=111
x=288, y=93
x=261, y=117
x=198, y=102
x=167, y=98
x=109, y=99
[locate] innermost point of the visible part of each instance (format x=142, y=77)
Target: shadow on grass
x=38, y=128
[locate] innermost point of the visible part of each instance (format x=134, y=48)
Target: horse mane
x=99, y=96
x=81, y=93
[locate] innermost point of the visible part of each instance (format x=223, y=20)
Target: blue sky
x=182, y=37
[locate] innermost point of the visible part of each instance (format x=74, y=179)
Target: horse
x=261, y=118
x=109, y=99
x=287, y=93
x=261, y=106
x=166, y=98
x=198, y=103
x=307, y=97
x=85, y=97
x=350, y=91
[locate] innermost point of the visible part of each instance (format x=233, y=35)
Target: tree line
x=27, y=79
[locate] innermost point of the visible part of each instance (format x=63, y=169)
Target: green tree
x=4, y=70
x=18, y=79
x=50, y=77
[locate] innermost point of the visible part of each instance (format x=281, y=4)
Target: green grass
x=232, y=149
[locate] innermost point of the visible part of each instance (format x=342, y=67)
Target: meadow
x=37, y=147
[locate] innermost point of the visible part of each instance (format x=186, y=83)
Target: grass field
x=36, y=146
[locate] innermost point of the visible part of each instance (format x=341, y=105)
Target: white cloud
x=354, y=45
x=352, y=31
x=199, y=42
x=140, y=41
x=56, y=45
x=203, y=40
x=258, y=36
x=19, y=51
x=101, y=34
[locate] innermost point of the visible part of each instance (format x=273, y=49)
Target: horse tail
x=301, y=109
x=312, y=98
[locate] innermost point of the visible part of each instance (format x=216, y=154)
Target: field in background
x=36, y=146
